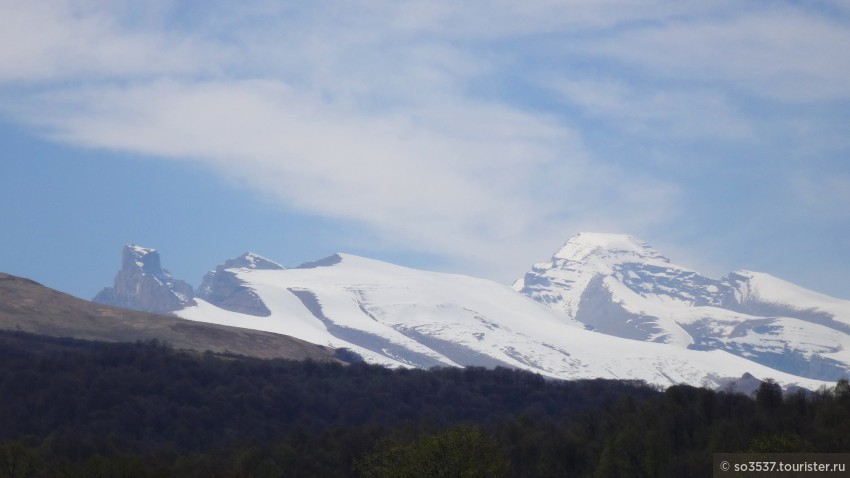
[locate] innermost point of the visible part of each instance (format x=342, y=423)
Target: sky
x=470, y=137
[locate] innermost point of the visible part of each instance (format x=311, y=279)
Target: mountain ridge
x=604, y=305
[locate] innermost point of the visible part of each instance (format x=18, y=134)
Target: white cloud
x=489, y=19
x=468, y=180
x=44, y=40
x=784, y=52
x=374, y=112
x=672, y=113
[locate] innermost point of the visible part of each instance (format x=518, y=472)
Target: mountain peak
x=141, y=258
x=142, y=284
x=618, y=285
x=621, y=247
x=251, y=260
x=225, y=289
x=575, y=274
x=138, y=250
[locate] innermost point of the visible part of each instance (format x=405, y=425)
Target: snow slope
x=758, y=288
x=403, y=317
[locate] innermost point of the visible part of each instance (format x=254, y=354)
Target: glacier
x=402, y=317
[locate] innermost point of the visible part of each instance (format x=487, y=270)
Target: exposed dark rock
x=223, y=288
x=142, y=284
x=326, y=262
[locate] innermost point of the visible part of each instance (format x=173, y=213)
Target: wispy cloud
x=674, y=113
x=784, y=52
x=458, y=178
x=443, y=127
x=44, y=40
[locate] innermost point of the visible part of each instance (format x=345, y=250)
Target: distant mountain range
x=604, y=305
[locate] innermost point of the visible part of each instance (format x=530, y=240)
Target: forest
x=70, y=408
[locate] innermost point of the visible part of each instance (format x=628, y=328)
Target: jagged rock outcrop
x=142, y=284
x=223, y=288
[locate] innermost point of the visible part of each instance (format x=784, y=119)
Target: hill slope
x=28, y=306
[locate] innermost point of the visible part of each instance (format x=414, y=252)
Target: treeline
x=73, y=409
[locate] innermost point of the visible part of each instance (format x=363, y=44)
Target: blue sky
x=471, y=137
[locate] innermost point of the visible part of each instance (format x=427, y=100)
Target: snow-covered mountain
x=620, y=286
x=403, y=317
x=604, y=306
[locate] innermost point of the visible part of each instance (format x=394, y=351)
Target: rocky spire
x=142, y=284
